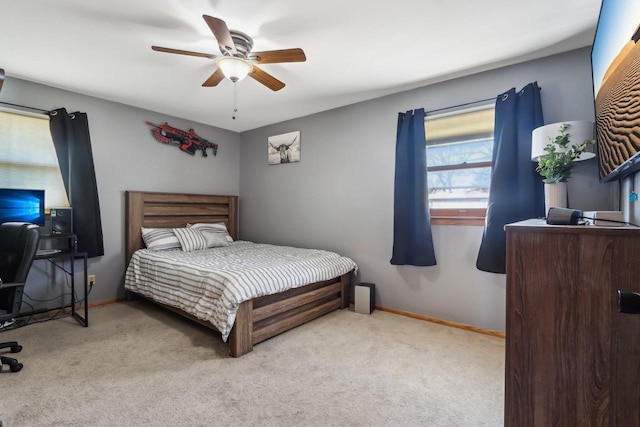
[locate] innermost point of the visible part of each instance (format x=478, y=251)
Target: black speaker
x=61, y=221
x=563, y=216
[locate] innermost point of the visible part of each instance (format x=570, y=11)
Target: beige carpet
x=138, y=365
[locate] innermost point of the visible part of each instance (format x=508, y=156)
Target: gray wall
x=127, y=158
x=340, y=196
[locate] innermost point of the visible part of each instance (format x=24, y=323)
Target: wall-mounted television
x=615, y=66
x=22, y=205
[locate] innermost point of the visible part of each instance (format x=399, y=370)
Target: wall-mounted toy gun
x=189, y=142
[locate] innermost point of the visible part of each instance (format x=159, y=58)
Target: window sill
x=458, y=216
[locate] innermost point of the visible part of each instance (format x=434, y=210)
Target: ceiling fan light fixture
x=234, y=68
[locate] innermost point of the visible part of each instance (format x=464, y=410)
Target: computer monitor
x=22, y=205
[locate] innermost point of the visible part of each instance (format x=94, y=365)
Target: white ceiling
x=356, y=49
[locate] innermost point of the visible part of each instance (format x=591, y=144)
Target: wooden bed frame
x=258, y=319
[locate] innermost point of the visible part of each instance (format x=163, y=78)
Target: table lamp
x=577, y=133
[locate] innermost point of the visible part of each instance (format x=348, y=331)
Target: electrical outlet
x=92, y=279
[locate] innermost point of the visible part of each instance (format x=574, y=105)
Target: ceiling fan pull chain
x=235, y=100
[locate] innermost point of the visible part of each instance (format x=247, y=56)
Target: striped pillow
x=159, y=239
x=216, y=234
x=191, y=239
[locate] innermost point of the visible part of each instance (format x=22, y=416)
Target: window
x=28, y=158
x=459, y=149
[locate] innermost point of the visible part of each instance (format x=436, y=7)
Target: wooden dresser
x=571, y=358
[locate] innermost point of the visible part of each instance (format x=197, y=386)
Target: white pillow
x=191, y=239
x=159, y=239
x=216, y=234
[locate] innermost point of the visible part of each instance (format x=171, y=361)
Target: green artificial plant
x=556, y=166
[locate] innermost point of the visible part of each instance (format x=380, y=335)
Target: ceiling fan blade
x=277, y=56
x=222, y=34
x=1, y=77
x=266, y=79
x=183, y=52
x=214, y=79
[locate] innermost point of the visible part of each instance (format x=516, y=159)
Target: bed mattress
x=210, y=284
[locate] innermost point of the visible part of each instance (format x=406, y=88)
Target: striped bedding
x=210, y=284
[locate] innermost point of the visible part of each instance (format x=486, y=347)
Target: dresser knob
x=628, y=302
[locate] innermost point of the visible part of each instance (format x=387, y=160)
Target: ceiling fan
x=237, y=60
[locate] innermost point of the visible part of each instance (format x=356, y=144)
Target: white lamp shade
x=233, y=68
x=578, y=132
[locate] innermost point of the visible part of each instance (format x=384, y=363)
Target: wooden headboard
x=175, y=210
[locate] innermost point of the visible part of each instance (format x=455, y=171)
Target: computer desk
x=69, y=253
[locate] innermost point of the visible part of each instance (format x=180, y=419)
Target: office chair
x=18, y=245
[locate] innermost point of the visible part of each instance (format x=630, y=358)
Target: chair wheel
x=16, y=348
x=9, y=361
x=16, y=367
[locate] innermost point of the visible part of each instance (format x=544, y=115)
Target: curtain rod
x=458, y=106
x=24, y=106
x=464, y=105
x=426, y=112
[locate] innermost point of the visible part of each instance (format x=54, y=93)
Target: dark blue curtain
x=412, y=239
x=70, y=134
x=516, y=191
